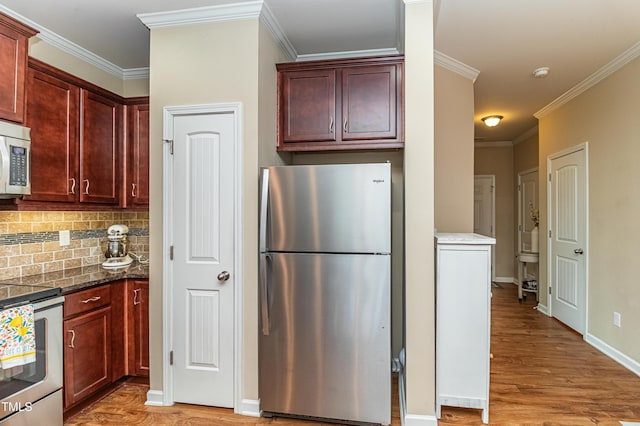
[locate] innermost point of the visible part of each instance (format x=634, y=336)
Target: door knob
x=223, y=276
x=578, y=251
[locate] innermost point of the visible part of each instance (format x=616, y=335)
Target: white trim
x=526, y=135
x=455, y=65
x=505, y=280
x=199, y=15
x=580, y=147
x=135, y=73
x=154, y=397
x=169, y=112
x=272, y=24
x=493, y=220
x=420, y=420
x=542, y=308
x=496, y=144
x=346, y=54
x=520, y=206
x=613, y=353
x=620, y=61
x=249, y=407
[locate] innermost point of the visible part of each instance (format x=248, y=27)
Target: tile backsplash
x=29, y=241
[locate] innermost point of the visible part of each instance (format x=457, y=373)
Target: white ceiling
x=505, y=40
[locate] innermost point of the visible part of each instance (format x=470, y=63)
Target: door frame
x=493, y=221
x=520, y=205
x=585, y=148
x=169, y=112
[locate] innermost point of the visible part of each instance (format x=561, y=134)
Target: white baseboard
x=420, y=420
x=154, y=397
x=613, y=353
x=543, y=309
x=249, y=407
x=509, y=280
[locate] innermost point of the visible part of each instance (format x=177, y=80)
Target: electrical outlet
x=64, y=237
x=617, y=319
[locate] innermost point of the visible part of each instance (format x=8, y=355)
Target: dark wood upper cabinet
x=309, y=99
x=99, y=143
x=136, y=185
x=346, y=104
x=14, y=43
x=52, y=115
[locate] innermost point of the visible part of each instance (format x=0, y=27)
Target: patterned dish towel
x=17, y=337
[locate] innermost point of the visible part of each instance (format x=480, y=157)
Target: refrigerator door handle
x=264, y=202
x=265, y=259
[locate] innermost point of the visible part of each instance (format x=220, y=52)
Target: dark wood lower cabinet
x=106, y=337
x=87, y=354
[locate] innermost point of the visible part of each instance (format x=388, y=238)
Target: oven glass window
x=14, y=380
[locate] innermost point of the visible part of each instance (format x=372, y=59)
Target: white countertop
x=462, y=238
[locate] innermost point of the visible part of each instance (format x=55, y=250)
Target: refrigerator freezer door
x=328, y=352
x=342, y=208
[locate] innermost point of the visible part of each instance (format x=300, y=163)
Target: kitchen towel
x=17, y=337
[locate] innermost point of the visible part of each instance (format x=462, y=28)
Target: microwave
x=15, y=164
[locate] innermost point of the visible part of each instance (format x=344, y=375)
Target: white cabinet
x=463, y=321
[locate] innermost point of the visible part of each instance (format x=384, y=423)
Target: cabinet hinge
x=520, y=228
x=171, y=253
x=171, y=358
x=549, y=233
x=518, y=188
x=549, y=290
x=549, y=177
x=170, y=142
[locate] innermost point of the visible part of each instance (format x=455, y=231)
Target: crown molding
x=346, y=54
x=455, y=65
x=526, y=135
x=496, y=144
x=620, y=61
x=272, y=24
x=198, y=15
x=79, y=52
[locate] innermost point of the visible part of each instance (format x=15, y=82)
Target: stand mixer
x=117, y=246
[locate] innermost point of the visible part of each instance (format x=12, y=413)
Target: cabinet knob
x=133, y=190
x=345, y=125
x=135, y=296
x=86, y=190
x=73, y=185
x=330, y=124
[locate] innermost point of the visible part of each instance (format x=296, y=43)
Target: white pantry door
x=203, y=259
x=568, y=207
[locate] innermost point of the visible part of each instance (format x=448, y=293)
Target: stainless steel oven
x=32, y=394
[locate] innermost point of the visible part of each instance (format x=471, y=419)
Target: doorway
x=568, y=237
x=202, y=273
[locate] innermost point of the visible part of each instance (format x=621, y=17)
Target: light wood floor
x=541, y=374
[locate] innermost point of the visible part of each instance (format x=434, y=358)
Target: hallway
x=541, y=374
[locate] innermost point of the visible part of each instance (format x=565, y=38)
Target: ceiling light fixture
x=541, y=72
x=492, y=120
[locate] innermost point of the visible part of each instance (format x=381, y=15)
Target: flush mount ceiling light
x=541, y=72
x=492, y=120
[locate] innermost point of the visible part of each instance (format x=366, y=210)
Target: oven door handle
x=73, y=338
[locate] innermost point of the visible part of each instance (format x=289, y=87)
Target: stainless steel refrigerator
x=325, y=283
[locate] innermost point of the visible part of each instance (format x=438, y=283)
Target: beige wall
x=51, y=55
x=397, y=204
x=453, y=152
x=419, y=210
x=607, y=117
x=208, y=71
x=498, y=161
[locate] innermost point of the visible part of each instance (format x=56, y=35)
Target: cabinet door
x=13, y=67
x=87, y=354
x=137, y=188
x=141, y=326
x=99, y=140
x=369, y=102
x=309, y=102
x=52, y=115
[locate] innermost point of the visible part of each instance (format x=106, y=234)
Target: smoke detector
x=541, y=72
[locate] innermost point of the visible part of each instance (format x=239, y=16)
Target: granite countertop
x=71, y=280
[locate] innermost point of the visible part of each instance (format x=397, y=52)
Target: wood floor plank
x=542, y=373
